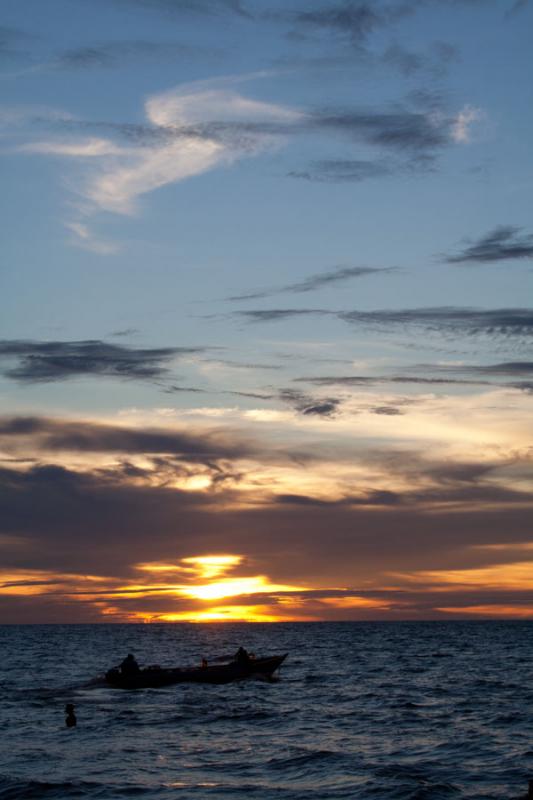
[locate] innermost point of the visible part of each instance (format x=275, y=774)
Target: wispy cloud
x=309, y=406
x=278, y=314
x=497, y=322
x=178, y=141
x=85, y=238
x=369, y=380
x=197, y=127
x=57, y=361
x=461, y=125
x=113, y=54
x=352, y=20
x=180, y=7
x=504, y=322
x=434, y=60
x=319, y=280
x=501, y=244
x=344, y=170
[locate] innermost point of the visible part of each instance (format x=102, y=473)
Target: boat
x=155, y=677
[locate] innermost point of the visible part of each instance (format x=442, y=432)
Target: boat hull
x=155, y=677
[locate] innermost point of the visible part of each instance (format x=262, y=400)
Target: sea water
x=360, y=710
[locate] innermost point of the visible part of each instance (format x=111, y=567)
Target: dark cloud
x=239, y=364
x=255, y=395
x=85, y=437
x=57, y=361
x=113, y=54
x=307, y=405
x=388, y=411
x=517, y=6
x=10, y=40
x=136, y=134
x=173, y=389
x=504, y=322
x=318, y=281
x=395, y=129
x=326, y=409
x=125, y=332
x=472, y=373
x=369, y=380
x=377, y=497
x=435, y=61
x=277, y=314
x=95, y=521
x=408, y=131
x=186, y=6
x=524, y=386
x=353, y=20
x=509, y=369
x=501, y=244
x=82, y=524
x=343, y=171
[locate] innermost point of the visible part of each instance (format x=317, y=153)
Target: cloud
x=317, y=281
x=435, y=60
x=50, y=510
x=187, y=152
x=112, y=54
x=87, y=240
x=344, y=170
x=309, y=406
x=498, y=322
x=11, y=40
x=194, y=128
x=388, y=411
x=460, y=128
x=352, y=20
x=453, y=320
x=399, y=129
x=277, y=314
x=517, y=6
x=50, y=436
x=508, y=369
x=189, y=130
x=501, y=244
x=180, y=7
x=56, y=361
x=89, y=148
x=365, y=380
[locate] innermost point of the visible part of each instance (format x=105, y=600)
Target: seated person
x=241, y=657
x=129, y=666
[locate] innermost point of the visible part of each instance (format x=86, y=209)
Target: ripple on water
x=411, y=710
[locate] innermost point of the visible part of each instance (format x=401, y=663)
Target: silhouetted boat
x=154, y=677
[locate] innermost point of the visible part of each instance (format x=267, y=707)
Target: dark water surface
x=361, y=710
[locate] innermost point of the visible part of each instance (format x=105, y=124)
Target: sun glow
x=233, y=587
x=216, y=614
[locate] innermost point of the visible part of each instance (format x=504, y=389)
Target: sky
x=266, y=310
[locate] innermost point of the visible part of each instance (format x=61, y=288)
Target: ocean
x=399, y=711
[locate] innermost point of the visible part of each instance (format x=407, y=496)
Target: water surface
x=405, y=711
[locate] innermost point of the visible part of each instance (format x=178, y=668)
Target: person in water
x=70, y=720
x=129, y=666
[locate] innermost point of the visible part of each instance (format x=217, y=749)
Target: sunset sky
x=266, y=310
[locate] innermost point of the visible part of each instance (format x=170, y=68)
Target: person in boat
x=129, y=666
x=70, y=720
x=242, y=657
